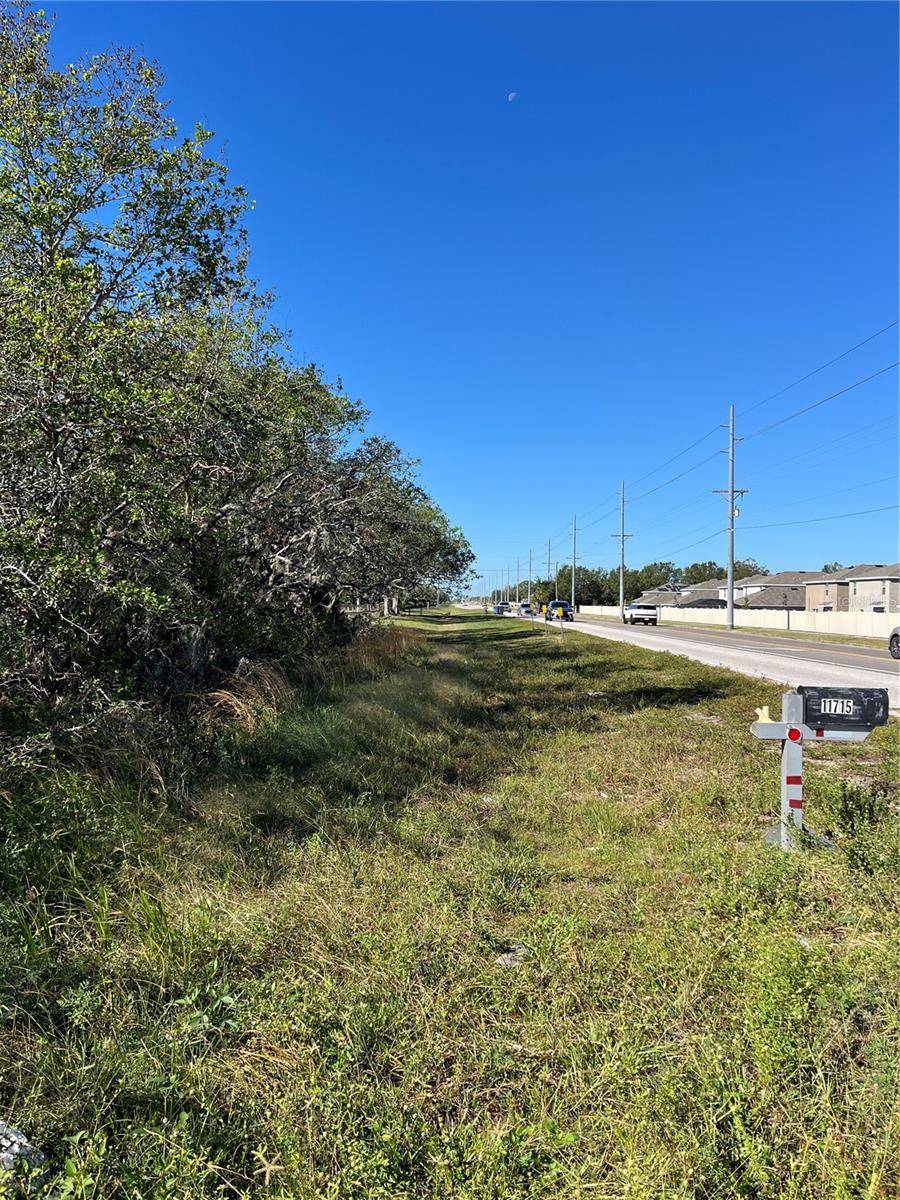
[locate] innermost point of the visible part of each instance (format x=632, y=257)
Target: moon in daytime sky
x=512, y=96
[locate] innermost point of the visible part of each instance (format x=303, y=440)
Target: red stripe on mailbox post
x=795, y=803
x=794, y=779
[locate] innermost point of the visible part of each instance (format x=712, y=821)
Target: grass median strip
x=496, y=922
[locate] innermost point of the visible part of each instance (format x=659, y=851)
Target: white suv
x=647, y=614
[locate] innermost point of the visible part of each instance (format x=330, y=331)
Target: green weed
x=290, y=987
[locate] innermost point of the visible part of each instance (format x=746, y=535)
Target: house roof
x=866, y=571
x=781, y=578
x=661, y=595
x=891, y=571
x=696, y=593
x=779, y=596
x=706, y=586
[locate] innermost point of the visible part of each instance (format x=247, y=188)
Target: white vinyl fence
x=874, y=625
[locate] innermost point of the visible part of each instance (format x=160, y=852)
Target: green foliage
x=309, y=1006
x=701, y=571
x=599, y=586
x=176, y=495
x=744, y=567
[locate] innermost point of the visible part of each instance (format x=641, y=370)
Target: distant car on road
x=501, y=608
x=554, y=607
x=646, y=614
x=524, y=608
x=894, y=642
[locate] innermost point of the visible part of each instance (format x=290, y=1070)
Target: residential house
x=871, y=587
x=780, y=596
x=875, y=591
x=828, y=593
x=666, y=593
x=786, y=589
x=708, y=594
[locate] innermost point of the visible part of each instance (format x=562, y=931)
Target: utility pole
x=548, y=564
x=517, y=585
x=731, y=492
x=574, y=544
x=529, y=579
x=622, y=535
x=556, y=582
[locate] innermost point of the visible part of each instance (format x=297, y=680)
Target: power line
x=844, y=437
x=766, y=429
x=609, y=512
x=674, y=513
x=635, y=482
x=765, y=400
x=596, y=506
x=681, y=475
x=830, y=363
x=691, y=545
x=834, y=395
x=834, y=517
x=840, y=492
x=822, y=496
x=757, y=433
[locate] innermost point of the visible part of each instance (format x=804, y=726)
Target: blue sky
x=685, y=206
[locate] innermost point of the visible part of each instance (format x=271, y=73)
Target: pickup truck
x=646, y=614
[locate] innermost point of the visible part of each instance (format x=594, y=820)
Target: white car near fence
x=644, y=614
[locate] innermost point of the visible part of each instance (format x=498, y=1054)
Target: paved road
x=787, y=660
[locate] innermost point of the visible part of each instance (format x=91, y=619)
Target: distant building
x=666, y=593
x=871, y=587
x=778, y=596
x=786, y=589
x=711, y=593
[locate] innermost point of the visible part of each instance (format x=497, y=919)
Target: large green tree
x=174, y=492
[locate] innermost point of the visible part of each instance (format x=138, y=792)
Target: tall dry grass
x=252, y=698
x=376, y=652
x=258, y=692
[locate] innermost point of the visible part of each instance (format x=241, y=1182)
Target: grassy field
x=288, y=986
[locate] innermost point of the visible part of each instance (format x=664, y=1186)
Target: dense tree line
x=176, y=494
x=601, y=586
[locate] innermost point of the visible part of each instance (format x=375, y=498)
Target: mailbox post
x=814, y=714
